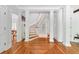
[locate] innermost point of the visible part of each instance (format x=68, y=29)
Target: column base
x=67, y=44
x=26, y=40
x=51, y=40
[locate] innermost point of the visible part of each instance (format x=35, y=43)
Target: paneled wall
x=5, y=28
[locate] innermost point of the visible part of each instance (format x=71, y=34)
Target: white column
x=48, y=24
x=55, y=25
x=19, y=28
x=27, y=25
x=68, y=38
x=66, y=23
x=60, y=26
x=51, y=25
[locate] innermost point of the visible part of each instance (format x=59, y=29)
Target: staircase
x=32, y=32
x=34, y=27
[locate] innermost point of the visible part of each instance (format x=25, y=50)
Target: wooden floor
x=41, y=45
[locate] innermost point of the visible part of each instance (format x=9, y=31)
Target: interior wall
x=14, y=21
x=74, y=22
x=5, y=28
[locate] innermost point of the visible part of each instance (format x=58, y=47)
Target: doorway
x=39, y=24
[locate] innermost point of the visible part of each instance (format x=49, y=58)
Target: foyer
x=27, y=29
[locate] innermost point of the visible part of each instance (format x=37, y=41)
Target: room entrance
x=39, y=24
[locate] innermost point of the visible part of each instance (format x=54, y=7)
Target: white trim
x=67, y=44
x=51, y=40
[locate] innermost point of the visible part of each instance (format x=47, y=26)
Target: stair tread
x=33, y=35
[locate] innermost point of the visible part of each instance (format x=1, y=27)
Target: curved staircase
x=33, y=28
x=32, y=33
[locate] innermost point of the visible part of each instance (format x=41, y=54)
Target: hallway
x=39, y=30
